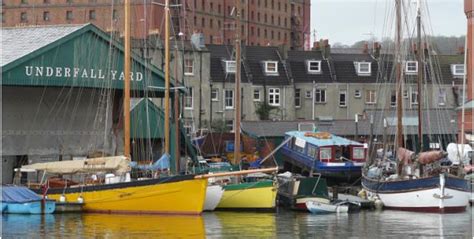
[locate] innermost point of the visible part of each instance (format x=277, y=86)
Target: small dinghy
x=21, y=200
x=324, y=208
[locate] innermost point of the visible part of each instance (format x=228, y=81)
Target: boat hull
x=421, y=195
x=171, y=195
x=213, y=197
x=30, y=207
x=252, y=195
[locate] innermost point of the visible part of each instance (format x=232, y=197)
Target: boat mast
x=421, y=71
x=167, y=77
x=398, y=76
x=126, y=88
x=176, y=110
x=237, y=82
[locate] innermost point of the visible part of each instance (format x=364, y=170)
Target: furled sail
x=115, y=164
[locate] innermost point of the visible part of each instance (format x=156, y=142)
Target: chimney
x=316, y=45
x=414, y=48
x=377, y=47
x=365, y=50
x=326, y=48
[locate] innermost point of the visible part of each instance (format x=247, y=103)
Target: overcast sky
x=349, y=21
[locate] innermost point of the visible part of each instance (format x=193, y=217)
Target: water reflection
x=283, y=224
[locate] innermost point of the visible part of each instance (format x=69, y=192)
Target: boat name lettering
x=48, y=71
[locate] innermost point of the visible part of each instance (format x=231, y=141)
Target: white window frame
x=189, y=95
x=187, y=67
x=413, y=96
x=442, y=97
x=232, y=125
x=371, y=100
x=310, y=64
x=230, y=67
x=216, y=97
x=358, y=149
x=320, y=101
x=259, y=95
x=409, y=66
x=298, y=96
x=343, y=104
x=357, y=94
x=274, y=96
x=308, y=94
x=455, y=69
x=323, y=151
x=267, y=63
x=232, y=98
x=393, y=103
x=405, y=94
x=369, y=68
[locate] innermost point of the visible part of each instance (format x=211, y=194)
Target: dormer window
x=230, y=66
x=457, y=69
x=364, y=68
x=271, y=67
x=314, y=67
x=411, y=67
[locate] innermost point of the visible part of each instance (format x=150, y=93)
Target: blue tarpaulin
x=14, y=194
x=160, y=164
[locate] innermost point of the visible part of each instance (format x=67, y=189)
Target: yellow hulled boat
x=249, y=195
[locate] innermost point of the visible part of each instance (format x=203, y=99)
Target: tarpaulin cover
x=14, y=194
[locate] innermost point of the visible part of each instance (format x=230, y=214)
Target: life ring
x=318, y=135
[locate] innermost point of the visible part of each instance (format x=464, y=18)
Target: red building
x=264, y=22
x=468, y=137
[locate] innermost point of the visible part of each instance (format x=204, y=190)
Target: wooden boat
x=295, y=190
x=335, y=158
x=323, y=208
x=21, y=200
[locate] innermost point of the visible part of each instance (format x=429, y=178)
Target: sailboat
x=410, y=185
x=182, y=194
x=256, y=192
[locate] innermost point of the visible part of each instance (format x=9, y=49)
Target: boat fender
x=80, y=199
x=378, y=204
x=362, y=194
x=62, y=198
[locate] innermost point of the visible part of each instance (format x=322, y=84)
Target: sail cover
x=14, y=194
x=116, y=164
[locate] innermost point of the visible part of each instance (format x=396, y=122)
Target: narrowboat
x=336, y=158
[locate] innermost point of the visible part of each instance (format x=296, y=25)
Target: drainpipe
x=313, y=101
x=210, y=108
x=200, y=88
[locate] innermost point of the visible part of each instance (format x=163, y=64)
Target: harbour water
x=283, y=224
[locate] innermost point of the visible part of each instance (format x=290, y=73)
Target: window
x=370, y=97
x=69, y=15
x=299, y=145
x=46, y=16
x=312, y=150
x=92, y=15
x=271, y=67
x=188, y=67
x=297, y=98
x=442, y=97
x=229, y=125
x=393, y=99
x=414, y=97
x=314, y=66
x=211, y=23
x=229, y=99
x=69, y=1
x=357, y=94
x=214, y=94
x=274, y=96
x=325, y=154
x=24, y=2
x=256, y=95
x=364, y=68
x=320, y=96
x=411, y=67
x=308, y=94
x=358, y=153
x=188, y=99
x=23, y=17
x=1, y=16
x=203, y=22
x=405, y=94
x=457, y=69
x=230, y=67
x=342, y=98
x=114, y=15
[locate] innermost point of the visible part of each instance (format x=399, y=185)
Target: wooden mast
x=237, y=82
x=399, y=73
x=421, y=71
x=176, y=110
x=126, y=88
x=167, y=77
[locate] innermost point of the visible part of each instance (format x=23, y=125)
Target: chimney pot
x=366, y=48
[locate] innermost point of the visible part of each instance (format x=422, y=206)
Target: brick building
x=264, y=22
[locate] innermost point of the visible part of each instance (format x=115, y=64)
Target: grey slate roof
x=346, y=72
x=297, y=61
x=20, y=41
x=435, y=122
